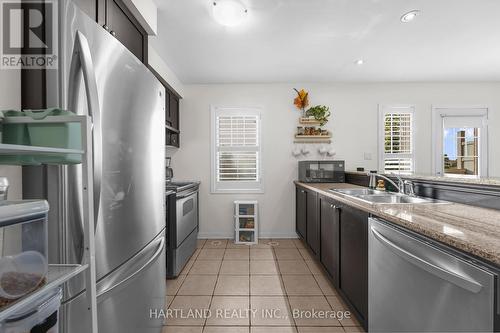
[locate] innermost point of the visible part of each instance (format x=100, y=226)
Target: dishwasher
x=417, y=285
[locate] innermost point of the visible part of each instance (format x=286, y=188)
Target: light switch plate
x=368, y=156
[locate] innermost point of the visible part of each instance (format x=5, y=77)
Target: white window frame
x=236, y=186
x=438, y=115
x=384, y=109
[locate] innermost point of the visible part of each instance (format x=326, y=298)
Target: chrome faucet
x=401, y=187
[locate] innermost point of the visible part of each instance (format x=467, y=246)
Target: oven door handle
x=185, y=195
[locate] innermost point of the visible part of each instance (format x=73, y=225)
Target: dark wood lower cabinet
x=301, y=212
x=313, y=238
x=354, y=258
x=338, y=234
x=330, y=237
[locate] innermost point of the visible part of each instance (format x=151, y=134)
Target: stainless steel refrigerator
x=129, y=167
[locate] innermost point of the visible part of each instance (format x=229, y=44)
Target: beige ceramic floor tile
x=222, y=329
x=331, y=329
x=185, y=270
x=347, y=318
x=264, y=267
x=299, y=243
x=337, y=304
x=303, y=285
x=215, y=244
x=268, y=329
x=261, y=254
x=306, y=254
x=302, y=307
x=325, y=285
x=211, y=254
x=315, y=267
x=229, y=311
x=288, y=267
x=168, y=300
x=173, y=285
x=200, y=243
x=288, y=254
x=198, y=285
x=354, y=329
x=271, y=311
x=182, y=329
x=237, y=254
x=182, y=305
x=266, y=285
x=350, y=322
x=232, y=285
x=263, y=244
x=205, y=267
x=282, y=243
x=232, y=245
x=234, y=267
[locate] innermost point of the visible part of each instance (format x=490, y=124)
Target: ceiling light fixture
x=410, y=16
x=229, y=13
x=359, y=62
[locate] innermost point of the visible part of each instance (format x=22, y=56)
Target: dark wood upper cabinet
x=126, y=29
x=115, y=17
x=330, y=237
x=172, y=132
x=173, y=111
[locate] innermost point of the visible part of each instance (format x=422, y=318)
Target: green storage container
x=16, y=134
x=56, y=135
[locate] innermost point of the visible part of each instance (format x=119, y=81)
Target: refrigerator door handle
x=81, y=62
x=160, y=243
x=452, y=277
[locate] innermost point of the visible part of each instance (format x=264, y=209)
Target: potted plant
x=320, y=112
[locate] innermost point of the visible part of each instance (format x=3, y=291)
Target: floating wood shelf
x=309, y=121
x=328, y=136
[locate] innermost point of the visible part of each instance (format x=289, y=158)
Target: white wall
x=354, y=126
x=10, y=98
x=155, y=61
x=146, y=12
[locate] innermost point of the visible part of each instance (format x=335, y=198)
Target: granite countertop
x=470, y=229
x=459, y=180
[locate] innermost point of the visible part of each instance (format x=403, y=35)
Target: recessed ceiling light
x=359, y=62
x=229, y=12
x=410, y=16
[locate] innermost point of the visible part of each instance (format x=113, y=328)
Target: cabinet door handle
x=302, y=191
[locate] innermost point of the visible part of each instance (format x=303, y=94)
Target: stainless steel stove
x=182, y=224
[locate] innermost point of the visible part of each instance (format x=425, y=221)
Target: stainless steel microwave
x=322, y=171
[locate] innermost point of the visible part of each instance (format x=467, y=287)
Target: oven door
x=187, y=216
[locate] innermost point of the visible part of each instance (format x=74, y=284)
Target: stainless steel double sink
x=382, y=197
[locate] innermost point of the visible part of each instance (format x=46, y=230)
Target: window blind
x=398, y=145
x=237, y=144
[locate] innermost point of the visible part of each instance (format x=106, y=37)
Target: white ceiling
x=319, y=41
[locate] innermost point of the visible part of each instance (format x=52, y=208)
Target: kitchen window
x=460, y=141
x=396, y=151
x=236, y=150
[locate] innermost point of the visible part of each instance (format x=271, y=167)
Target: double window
x=236, y=150
x=396, y=151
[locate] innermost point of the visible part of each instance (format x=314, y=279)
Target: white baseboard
x=221, y=235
